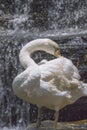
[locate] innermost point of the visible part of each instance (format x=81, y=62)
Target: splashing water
x=22, y=21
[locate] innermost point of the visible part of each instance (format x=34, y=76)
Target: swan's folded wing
x=53, y=73
x=76, y=73
x=60, y=72
x=49, y=71
x=71, y=73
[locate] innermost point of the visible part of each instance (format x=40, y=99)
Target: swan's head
x=45, y=44
x=51, y=47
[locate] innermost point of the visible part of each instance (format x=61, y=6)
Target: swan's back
x=58, y=67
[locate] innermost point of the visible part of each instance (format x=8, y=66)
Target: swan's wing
x=57, y=68
x=76, y=73
x=53, y=72
x=71, y=73
x=70, y=70
x=60, y=72
x=49, y=70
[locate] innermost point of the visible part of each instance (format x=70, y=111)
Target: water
x=22, y=21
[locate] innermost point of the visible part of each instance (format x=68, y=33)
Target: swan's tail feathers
x=84, y=88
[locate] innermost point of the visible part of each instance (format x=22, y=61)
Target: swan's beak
x=57, y=53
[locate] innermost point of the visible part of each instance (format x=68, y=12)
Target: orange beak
x=57, y=53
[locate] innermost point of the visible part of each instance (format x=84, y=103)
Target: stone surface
x=48, y=125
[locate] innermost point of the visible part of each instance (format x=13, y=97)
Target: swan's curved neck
x=28, y=49
x=25, y=59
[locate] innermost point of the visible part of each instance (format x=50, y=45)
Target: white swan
x=52, y=84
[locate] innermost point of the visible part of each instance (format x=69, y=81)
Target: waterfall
x=24, y=20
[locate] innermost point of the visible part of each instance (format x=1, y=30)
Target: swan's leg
x=56, y=118
x=39, y=117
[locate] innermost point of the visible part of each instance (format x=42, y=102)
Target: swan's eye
x=57, y=53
